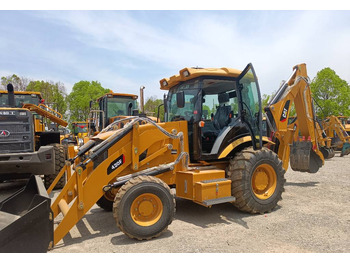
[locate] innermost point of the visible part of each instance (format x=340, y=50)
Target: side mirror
x=165, y=102
x=129, y=109
x=180, y=99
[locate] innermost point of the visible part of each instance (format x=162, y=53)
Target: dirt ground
x=313, y=217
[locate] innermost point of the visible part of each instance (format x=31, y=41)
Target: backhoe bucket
x=26, y=220
x=345, y=149
x=327, y=153
x=303, y=158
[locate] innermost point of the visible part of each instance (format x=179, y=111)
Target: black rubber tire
x=60, y=157
x=241, y=169
x=105, y=203
x=129, y=192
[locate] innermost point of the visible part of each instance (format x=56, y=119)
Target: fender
x=240, y=141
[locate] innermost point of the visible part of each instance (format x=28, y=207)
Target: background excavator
x=209, y=149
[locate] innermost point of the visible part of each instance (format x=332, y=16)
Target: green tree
x=331, y=93
x=19, y=83
x=265, y=99
x=54, y=94
x=151, y=107
x=79, y=99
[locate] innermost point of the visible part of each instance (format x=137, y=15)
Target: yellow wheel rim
x=264, y=181
x=146, y=209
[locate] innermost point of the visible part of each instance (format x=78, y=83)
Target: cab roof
x=188, y=73
x=23, y=93
x=118, y=94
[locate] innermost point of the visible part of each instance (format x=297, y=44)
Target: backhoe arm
x=305, y=154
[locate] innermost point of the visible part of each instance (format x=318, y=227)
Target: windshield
x=20, y=99
x=118, y=106
x=80, y=128
x=190, y=111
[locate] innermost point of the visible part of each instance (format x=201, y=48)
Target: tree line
x=330, y=92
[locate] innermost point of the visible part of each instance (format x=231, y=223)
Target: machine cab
x=220, y=106
x=116, y=104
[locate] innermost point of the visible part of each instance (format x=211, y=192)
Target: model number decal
x=115, y=164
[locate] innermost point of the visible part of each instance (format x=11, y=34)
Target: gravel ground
x=313, y=217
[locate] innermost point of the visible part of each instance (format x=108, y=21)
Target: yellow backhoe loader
x=340, y=140
x=345, y=120
x=209, y=149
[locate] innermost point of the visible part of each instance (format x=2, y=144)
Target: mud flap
x=345, y=149
x=26, y=220
x=303, y=158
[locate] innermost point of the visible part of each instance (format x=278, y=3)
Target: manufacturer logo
x=4, y=133
x=7, y=113
x=285, y=112
x=115, y=164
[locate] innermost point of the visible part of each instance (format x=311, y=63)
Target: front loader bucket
x=303, y=158
x=26, y=220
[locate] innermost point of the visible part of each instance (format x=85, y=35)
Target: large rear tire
x=257, y=180
x=144, y=207
x=60, y=158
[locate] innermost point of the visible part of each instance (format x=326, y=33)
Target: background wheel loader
x=27, y=146
x=209, y=149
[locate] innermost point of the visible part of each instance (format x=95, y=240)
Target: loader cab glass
x=116, y=106
x=20, y=99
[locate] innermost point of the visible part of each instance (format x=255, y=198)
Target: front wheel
x=59, y=157
x=144, y=207
x=257, y=180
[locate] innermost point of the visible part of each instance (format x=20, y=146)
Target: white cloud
x=273, y=41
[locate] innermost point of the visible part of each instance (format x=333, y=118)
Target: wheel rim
x=146, y=209
x=264, y=181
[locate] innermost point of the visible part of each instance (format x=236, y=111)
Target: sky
x=126, y=49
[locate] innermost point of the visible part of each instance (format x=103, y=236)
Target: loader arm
x=47, y=112
x=295, y=91
x=166, y=148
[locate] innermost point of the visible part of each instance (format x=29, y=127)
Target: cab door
x=250, y=104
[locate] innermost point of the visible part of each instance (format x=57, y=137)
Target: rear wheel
x=60, y=157
x=144, y=207
x=257, y=180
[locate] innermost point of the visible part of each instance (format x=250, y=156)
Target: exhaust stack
x=142, y=102
x=11, y=95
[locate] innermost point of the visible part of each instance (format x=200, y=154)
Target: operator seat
x=222, y=114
